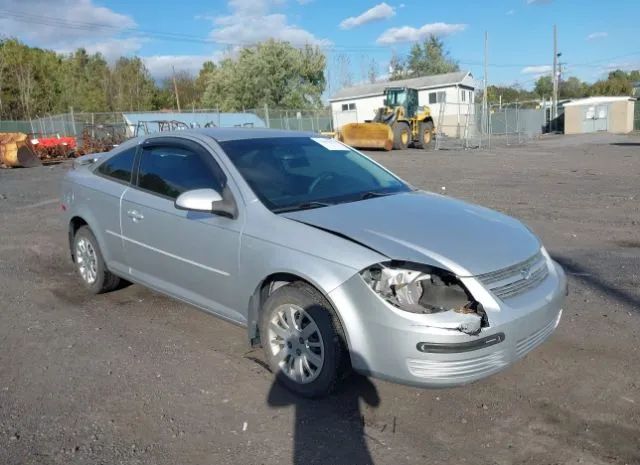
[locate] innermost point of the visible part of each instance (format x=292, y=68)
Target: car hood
x=428, y=228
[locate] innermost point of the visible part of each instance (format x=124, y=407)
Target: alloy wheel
x=296, y=343
x=86, y=260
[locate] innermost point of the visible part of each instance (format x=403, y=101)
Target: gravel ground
x=134, y=377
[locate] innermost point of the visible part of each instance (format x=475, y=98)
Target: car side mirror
x=206, y=200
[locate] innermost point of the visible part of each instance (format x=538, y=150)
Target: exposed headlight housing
x=420, y=289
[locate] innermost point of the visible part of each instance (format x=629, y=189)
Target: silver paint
x=219, y=264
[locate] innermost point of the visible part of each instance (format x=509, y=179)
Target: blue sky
x=594, y=36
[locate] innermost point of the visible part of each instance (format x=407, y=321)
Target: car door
x=113, y=177
x=190, y=255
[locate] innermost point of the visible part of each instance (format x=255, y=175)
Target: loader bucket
x=367, y=135
x=16, y=151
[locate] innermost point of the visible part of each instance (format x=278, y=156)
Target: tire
x=401, y=136
x=286, y=350
x=90, y=265
x=426, y=138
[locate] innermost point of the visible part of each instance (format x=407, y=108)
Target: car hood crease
x=429, y=228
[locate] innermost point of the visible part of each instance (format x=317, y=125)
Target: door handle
x=135, y=215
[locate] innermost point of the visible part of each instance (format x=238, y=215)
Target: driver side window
x=169, y=171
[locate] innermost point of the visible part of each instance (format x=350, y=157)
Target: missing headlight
x=419, y=289
x=430, y=291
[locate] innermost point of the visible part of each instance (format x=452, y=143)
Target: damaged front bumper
x=431, y=350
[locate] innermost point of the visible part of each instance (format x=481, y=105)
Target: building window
x=464, y=95
x=348, y=106
x=437, y=97
x=470, y=96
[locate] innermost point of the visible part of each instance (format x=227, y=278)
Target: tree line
x=617, y=82
x=36, y=82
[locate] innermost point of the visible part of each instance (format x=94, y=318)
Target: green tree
x=618, y=82
x=132, y=87
x=396, y=68
x=430, y=58
x=507, y=94
x=188, y=91
x=573, y=88
x=543, y=87
x=271, y=73
x=85, y=82
x=208, y=67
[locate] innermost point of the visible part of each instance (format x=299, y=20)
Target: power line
x=30, y=18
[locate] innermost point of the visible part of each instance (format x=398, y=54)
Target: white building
x=449, y=96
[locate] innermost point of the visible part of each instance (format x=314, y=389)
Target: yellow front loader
x=397, y=125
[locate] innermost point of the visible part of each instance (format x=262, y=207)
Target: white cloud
x=538, y=2
x=624, y=66
x=597, y=35
x=71, y=24
x=160, y=66
x=111, y=49
x=253, y=21
x=539, y=69
x=511, y=12
x=377, y=13
x=412, y=34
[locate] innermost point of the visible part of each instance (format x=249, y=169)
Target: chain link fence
x=458, y=126
x=130, y=124
x=469, y=126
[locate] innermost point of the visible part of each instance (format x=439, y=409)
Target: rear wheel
x=426, y=139
x=401, y=136
x=303, y=340
x=90, y=264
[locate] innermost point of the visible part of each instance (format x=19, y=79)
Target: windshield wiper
x=372, y=194
x=301, y=206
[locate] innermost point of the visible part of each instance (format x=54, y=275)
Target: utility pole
x=485, y=109
x=560, y=64
x=175, y=88
x=554, y=108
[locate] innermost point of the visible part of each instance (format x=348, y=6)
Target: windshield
x=396, y=97
x=293, y=173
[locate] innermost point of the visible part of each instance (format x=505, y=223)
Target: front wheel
x=426, y=139
x=90, y=263
x=303, y=340
x=401, y=136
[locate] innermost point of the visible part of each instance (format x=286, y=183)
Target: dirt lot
x=134, y=377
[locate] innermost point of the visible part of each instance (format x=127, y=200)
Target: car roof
x=227, y=134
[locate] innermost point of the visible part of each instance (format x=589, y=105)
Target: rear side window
x=170, y=171
x=119, y=166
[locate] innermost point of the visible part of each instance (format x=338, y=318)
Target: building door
x=595, y=118
x=601, y=121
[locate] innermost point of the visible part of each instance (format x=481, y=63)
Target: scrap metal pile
x=100, y=138
x=21, y=150
x=18, y=150
x=26, y=150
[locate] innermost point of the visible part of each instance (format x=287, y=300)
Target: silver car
x=330, y=261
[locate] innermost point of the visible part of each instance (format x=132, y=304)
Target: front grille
x=516, y=279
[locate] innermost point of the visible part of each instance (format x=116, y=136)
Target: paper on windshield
x=329, y=144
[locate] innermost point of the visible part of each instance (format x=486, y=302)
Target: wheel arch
x=266, y=287
x=429, y=119
x=81, y=218
x=75, y=223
